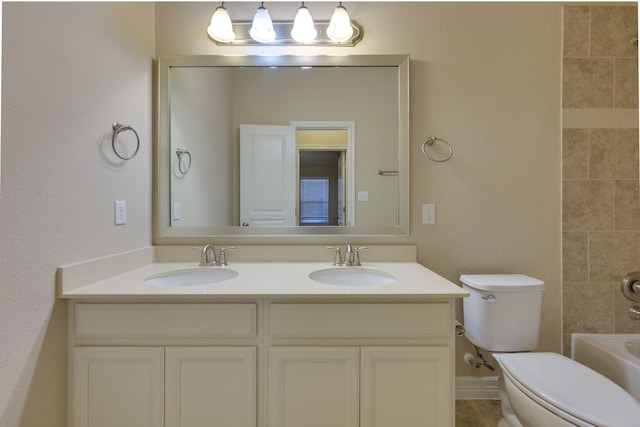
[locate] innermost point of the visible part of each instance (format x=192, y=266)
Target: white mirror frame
x=164, y=234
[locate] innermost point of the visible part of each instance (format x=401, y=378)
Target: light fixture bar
x=283, y=38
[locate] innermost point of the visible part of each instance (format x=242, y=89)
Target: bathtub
x=616, y=356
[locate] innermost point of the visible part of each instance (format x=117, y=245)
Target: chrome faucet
x=351, y=255
x=208, y=256
x=348, y=254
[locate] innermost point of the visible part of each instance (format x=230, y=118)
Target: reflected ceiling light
x=262, y=27
x=303, y=28
x=221, y=28
x=340, y=29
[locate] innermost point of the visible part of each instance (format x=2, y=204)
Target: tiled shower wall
x=600, y=186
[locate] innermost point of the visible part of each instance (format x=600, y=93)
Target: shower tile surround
x=600, y=188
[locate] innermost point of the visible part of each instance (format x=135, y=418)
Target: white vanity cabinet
x=359, y=386
x=155, y=365
x=173, y=386
x=314, y=386
x=265, y=362
x=360, y=364
x=119, y=386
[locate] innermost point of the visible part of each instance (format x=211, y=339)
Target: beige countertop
x=254, y=280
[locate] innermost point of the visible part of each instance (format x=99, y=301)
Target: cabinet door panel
x=210, y=386
x=406, y=386
x=313, y=387
x=118, y=386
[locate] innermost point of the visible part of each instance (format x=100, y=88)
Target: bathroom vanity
x=267, y=347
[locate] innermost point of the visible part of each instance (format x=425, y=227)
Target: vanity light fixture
x=262, y=28
x=262, y=31
x=221, y=28
x=303, y=31
x=339, y=29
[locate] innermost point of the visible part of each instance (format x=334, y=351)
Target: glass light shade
x=303, y=29
x=339, y=29
x=262, y=27
x=221, y=29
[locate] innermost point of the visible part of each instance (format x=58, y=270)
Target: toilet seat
x=570, y=390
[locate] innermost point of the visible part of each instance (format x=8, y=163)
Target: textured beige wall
x=69, y=70
x=484, y=76
x=601, y=200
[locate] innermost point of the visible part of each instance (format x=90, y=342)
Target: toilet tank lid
x=502, y=282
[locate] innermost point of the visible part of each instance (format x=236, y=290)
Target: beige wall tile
x=587, y=83
x=587, y=205
x=576, y=32
x=627, y=206
x=575, y=256
x=575, y=153
x=612, y=28
x=613, y=154
x=600, y=118
x=587, y=308
x=626, y=82
x=600, y=88
x=613, y=254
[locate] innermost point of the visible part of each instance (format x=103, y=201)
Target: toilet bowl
x=548, y=389
x=502, y=315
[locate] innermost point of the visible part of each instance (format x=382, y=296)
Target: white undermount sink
x=191, y=277
x=352, y=276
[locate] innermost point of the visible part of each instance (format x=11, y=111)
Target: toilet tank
x=502, y=312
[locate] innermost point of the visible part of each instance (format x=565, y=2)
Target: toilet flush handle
x=489, y=298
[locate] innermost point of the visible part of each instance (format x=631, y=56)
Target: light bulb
x=262, y=27
x=339, y=29
x=303, y=29
x=221, y=29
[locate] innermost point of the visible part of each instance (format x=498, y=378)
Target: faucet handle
x=338, y=259
x=356, y=254
x=222, y=259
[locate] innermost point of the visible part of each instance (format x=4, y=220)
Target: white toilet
x=502, y=315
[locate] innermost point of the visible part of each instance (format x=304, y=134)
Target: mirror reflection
x=290, y=145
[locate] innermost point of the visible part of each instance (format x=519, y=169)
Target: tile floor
x=477, y=413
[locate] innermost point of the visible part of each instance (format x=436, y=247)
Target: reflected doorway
x=321, y=187
x=325, y=152
x=300, y=174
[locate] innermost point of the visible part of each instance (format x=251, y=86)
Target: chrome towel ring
x=117, y=128
x=430, y=141
x=182, y=152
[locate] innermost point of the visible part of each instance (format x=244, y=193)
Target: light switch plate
x=429, y=213
x=120, y=212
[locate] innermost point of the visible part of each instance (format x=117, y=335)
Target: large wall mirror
x=282, y=146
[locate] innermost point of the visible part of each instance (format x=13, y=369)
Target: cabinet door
x=118, y=386
x=313, y=387
x=406, y=386
x=210, y=386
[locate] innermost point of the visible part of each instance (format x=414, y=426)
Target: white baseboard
x=477, y=388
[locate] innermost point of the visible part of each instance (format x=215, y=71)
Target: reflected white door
x=267, y=175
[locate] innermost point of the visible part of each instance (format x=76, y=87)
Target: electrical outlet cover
x=120, y=212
